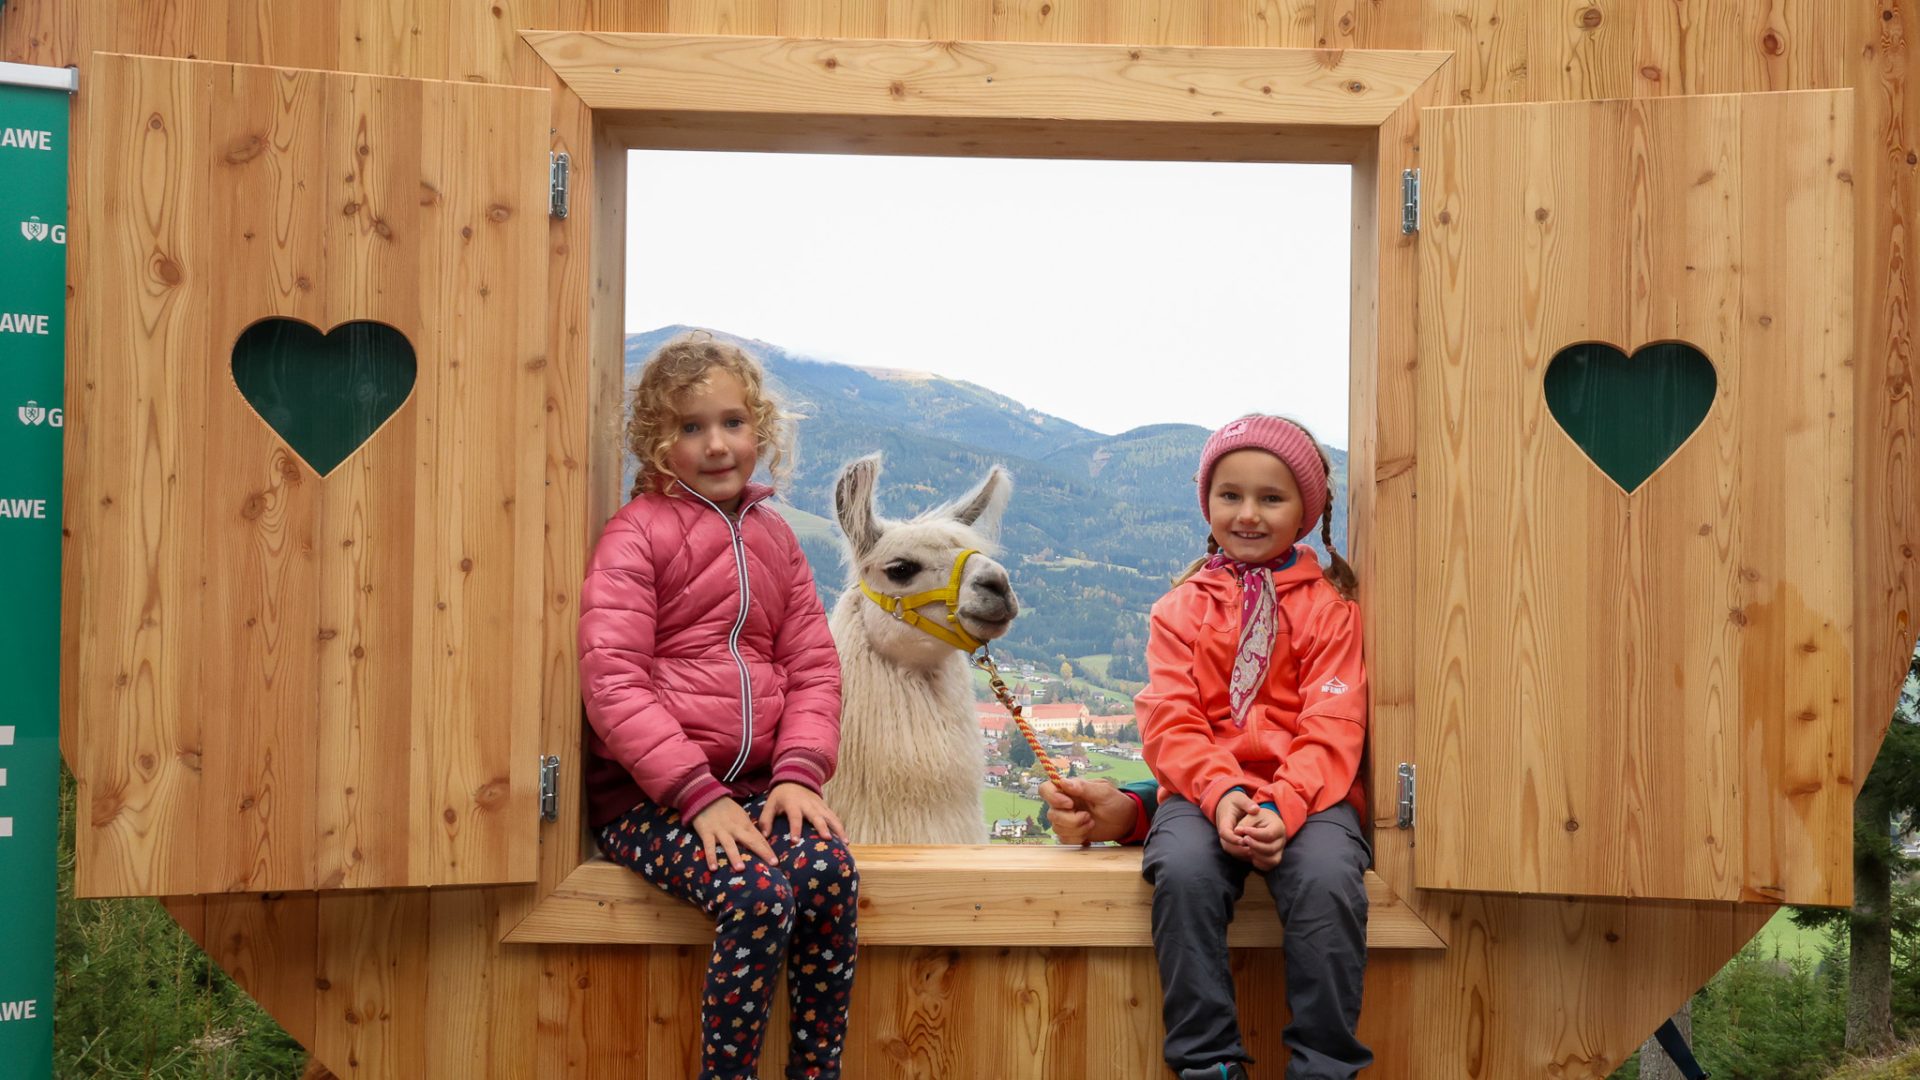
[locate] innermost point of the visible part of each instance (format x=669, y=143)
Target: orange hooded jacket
x=1301, y=747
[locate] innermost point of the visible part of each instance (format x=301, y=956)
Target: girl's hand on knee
x=1265, y=834
x=801, y=806
x=724, y=825
x=1227, y=814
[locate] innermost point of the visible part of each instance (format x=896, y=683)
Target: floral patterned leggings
x=801, y=912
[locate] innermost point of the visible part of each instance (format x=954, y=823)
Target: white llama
x=911, y=759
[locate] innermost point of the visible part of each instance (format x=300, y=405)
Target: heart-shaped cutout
x=1630, y=413
x=324, y=393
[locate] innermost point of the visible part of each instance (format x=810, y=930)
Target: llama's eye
x=901, y=571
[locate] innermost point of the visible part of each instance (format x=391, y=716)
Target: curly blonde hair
x=687, y=362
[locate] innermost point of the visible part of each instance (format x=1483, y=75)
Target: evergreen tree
x=1887, y=802
x=1019, y=754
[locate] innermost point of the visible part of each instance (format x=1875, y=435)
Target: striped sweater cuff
x=696, y=793
x=803, y=767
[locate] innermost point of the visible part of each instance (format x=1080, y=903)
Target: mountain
x=1097, y=526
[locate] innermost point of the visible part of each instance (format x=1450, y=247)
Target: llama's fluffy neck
x=939, y=693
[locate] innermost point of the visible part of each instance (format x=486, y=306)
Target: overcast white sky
x=1113, y=294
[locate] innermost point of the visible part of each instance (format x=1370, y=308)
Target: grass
x=1097, y=664
x=136, y=999
x=1902, y=1065
x=1117, y=769
x=1781, y=939
x=1005, y=804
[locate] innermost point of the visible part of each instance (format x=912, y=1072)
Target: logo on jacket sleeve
x=1333, y=686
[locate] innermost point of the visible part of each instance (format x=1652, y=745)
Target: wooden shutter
x=1642, y=694
x=280, y=680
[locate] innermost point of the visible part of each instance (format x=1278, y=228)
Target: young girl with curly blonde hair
x=713, y=692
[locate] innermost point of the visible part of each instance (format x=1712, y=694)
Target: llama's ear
x=983, y=506
x=853, y=496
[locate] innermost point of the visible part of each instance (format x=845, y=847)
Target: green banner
x=33, y=280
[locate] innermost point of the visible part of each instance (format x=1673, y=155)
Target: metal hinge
x=549, y=788
x=1405, y=820
x=557, y=165
x=1409, y=202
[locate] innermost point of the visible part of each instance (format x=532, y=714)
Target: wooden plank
x=1275, y=24
x=480, y=997
x=964, y=137
x=476, y=690
x=44, y=34
x=1383, y=348
x=283, y=35
x=1583, y=50
x=1123, y=1029
x=317, y=673
x=1797, y=241
x=1683, y=48
x=136, y=669
x=1886, y=129
x=724, y=17
x=674, y=975
x=943, y=895
x=1488, y=40
x=376, y=235
x=406, y=37
x=1006, y=80
x=372, y=978
x=266, y=943
x=257, y=595
x=1597, y=661
x=936, y=20
x=587, y=291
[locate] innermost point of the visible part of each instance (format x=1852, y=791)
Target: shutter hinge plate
x=557, y=166
x=549, y=788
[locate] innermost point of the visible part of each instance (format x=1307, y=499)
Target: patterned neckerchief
x=1259, y=626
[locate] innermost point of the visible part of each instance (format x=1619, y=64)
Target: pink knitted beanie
x=1284, y=440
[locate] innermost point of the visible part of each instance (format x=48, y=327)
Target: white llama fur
x=911, y=759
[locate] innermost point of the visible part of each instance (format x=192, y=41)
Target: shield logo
x=34, y=229
x=32, y=414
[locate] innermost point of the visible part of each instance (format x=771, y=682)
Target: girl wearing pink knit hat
x=1254, y=721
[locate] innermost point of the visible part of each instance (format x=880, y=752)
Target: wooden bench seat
x=953, y=895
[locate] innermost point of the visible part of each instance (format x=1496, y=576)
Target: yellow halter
x=902, y=608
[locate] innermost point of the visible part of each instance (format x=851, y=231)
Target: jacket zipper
x=733, y=638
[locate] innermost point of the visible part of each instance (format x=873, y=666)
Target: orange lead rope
x=984, y=661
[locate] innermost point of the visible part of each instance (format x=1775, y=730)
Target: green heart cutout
x=1630, y=414
x=324, y=393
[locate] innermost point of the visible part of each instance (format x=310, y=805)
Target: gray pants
x=1319, y=891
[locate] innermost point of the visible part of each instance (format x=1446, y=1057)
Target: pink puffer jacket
x=705, y=659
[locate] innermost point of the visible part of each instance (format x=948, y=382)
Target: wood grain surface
x=314, y=682
x=1648, y=693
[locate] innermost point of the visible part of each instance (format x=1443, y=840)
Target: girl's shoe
x=1226, y=1070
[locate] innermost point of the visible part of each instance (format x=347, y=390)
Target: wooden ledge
x=984, y=79
x=959, y=895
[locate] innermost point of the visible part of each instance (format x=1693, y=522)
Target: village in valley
x=1081, y=742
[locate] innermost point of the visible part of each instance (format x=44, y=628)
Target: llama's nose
x=999, y=590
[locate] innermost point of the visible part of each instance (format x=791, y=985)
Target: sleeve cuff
x=801, y=767
x=1291, y=808
x=696, y=794
x=1142, y=821
x=1219, y=789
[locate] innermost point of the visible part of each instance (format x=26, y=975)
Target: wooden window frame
x=1015, y=99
